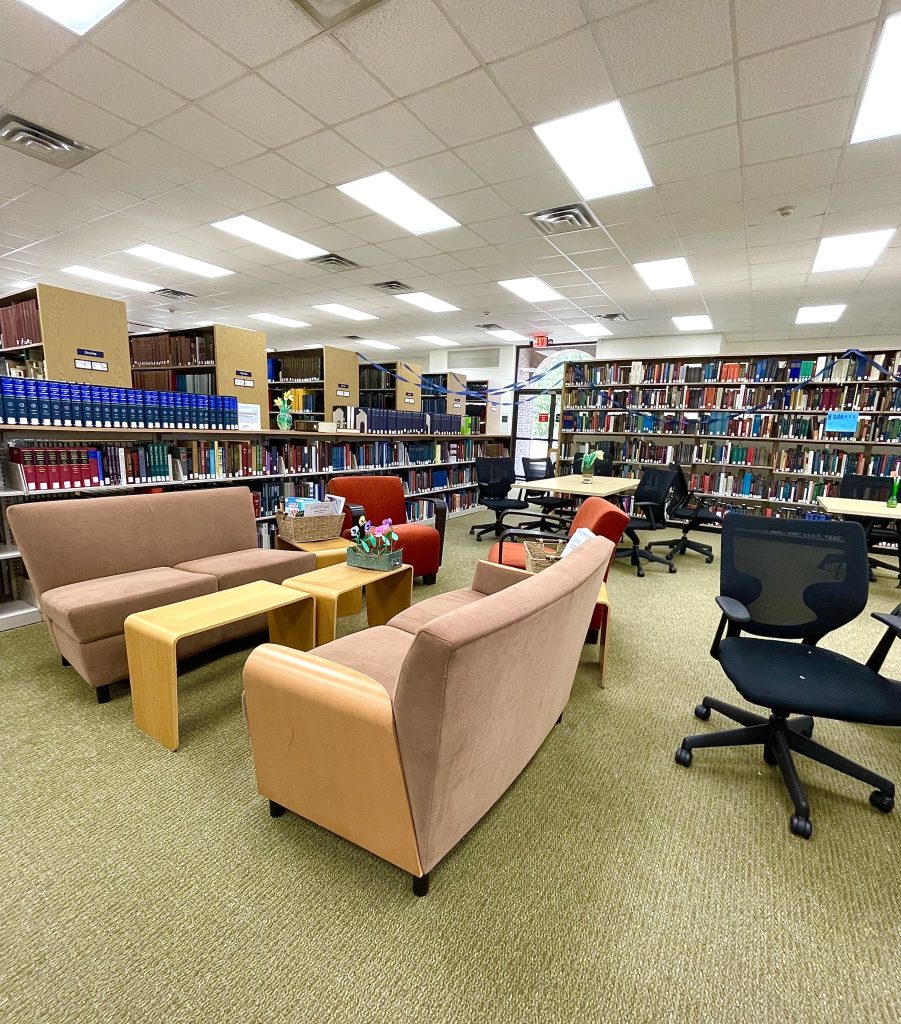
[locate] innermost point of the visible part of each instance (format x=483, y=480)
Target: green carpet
x=608, y=885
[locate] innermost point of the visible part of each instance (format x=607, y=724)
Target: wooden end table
x=327, y=552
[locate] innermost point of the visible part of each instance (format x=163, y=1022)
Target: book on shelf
x=20, y=324
x=295, y=367
x=152, y=350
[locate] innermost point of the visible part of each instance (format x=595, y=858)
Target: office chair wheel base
x=683, y=757
x=709, y=559
x=882, y=801
x=702, y=712
x=769, y=756
x=671, y=567
x=799, y=826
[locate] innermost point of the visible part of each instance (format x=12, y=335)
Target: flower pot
x=385, y=561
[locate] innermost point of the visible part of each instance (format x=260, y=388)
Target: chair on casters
x=878, y=531
x=541, y=469
x=688, y=509
x=790, y=579
x=495, y=477
x=650, y=500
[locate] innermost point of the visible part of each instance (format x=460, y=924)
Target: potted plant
x=373, y=546
x=588, y=461
x=284, y=405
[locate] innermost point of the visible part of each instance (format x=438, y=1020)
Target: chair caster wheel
x=882, y=801
x=709, y=559
x=479, y=539
x=683, y=757
x=702, y=712
x=799, y=826
x=672, y=568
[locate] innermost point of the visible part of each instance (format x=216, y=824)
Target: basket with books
x=304, y=520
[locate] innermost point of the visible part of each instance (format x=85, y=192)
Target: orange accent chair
x=382, y=497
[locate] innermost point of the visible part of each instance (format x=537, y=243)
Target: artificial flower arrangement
x=373, y=546
x=588, y=461
x=285, y=405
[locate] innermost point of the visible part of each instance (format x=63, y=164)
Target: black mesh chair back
x=681, y=490
x=536, y=469
x=652, y=493
x=495, y=477
x=798, y=579
x=865, y=488
x=603, y=466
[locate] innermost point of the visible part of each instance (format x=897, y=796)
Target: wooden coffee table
x=338, y=590
x=152, y=636
x=327, y=552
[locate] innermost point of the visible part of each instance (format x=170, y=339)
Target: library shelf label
x=93, y=353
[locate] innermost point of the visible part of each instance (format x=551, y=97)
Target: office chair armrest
x=439, y=506
x=650, y=506
x=881, y=650
x=733, y=610
x=355, y=512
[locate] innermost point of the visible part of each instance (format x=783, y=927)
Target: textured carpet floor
x=608, y=885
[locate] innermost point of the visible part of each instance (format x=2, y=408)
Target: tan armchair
x=401, y=737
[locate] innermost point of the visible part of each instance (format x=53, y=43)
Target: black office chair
x=650, y=501
x=495, y=477
x=791, y=579
x=688, y=508
x=878, y=531
x=602, y=466
x=541, y=469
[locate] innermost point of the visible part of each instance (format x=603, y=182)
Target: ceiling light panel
x=434, y=339
x=700, y=322
x=532, y=289
x=590, y=330
x=880, y=112
x=660, y=274
x=369, y=343
x=429, y=302
x=270, y=238
x=508, y=335
x=126, y=283
x=819, y=314
x=336, y=309
x=388, y=196
x=597, y=151
x=850, y=252
x=154, y=254
x=274, y=318
x=78, y=16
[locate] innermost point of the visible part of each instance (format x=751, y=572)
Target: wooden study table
x=151, y=638
x=598, y=487
x=867, y=510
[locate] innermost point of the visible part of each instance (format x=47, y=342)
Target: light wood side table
x=151, y=638
x=327, y=552
x=338, y=591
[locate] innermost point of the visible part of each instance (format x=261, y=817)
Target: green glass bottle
x=893, y=494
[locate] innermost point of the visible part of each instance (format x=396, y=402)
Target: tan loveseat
x=94, y=561
x=401, y=737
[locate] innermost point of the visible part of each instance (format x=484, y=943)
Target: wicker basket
x=304, y=529
x=540, y=554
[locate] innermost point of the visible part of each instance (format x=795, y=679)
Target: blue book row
x=50, y=403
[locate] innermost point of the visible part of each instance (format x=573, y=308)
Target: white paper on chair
x=581, y=535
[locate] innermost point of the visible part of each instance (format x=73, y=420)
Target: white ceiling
x=208, y=108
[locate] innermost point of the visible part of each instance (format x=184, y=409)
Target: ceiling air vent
x=393, y=287
x=172, y=293
x=561, y=219
x=613, y=317
x=489, y=327
x=335, y=262
x=43, y=144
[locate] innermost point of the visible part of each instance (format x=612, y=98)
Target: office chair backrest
x=603, y=466
x=536, y=469
x=654, y=487
x=798, y=579
x=681, y=490
x=495, y=476
x=865, y=488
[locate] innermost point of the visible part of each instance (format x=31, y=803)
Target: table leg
x=294, y=625
x=153, y=669
x=389, y=596
x=326, y=618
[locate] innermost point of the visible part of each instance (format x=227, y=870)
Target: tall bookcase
x=751, y=431
x=395, y=387
x=320, y=379
x=449, y=398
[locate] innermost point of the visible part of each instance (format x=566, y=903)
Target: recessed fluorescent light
x=429, y=302
x=590, y=330
x=597, y=151
x=274, y=318
x=849, y=252
x=369, y=343
x=390, y=197
x=175, y=259
x=508, y=335
x=270, y=238
x=122, y=282
x=532, y=289
x=693, y=323
x=346, y=311
x=819, y=314
x=433, y=339
x=204, y=323
x=19, y=286
x=880, y=113
x=660, y=274
x=78, y=16
x=270, y=349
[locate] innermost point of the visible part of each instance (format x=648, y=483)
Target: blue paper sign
x=842, y=422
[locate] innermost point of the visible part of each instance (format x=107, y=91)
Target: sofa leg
x=275, y=810
x=592, y=636
x=63, y=662
x=421, y=885
x=430, y=578
x=103, y=695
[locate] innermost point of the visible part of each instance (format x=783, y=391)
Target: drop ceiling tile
x=533, y=246
x=483, y=256
x=660, y=249
x=695, y=193
x=200, y=133
x=475, y=205
x=31, y=40
x=636, y=231
x=88, y=191
x=785, y=177
x=809, y=203
x=255, y=32
x=235, y=193
x=795, y=132
x=870, y=159
x=507, y=156
x=287, y=217
x=687, y=107
x=875, y=219
x=145, y=150
x=786, y=251
x=195, y=208
x=694, y=156
x=716, y=218
x=456, y=240
x=409, y=248
x=331, y=238
x=504, y=27
x=783, y=230
x=330, y=158
x=277, y=176
x=587, y=240
x=439, y=175
x=374, y=229
x=391, y=135
x=537, y=192
x=764, y=271
x=757, y=28
x=253, y=107
x=448, y=109
x=329, y=204
x=329, y=81
x=12, y=79
x=810, y=72
x=169, y=52
x=117, y=174
x=600, y=259
x=380, y=40
x=49, y=105
x=556, y=78
x=18, y=167
x=667, y=39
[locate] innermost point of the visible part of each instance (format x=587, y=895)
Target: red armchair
x=382, y=497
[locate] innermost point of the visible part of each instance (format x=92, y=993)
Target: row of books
x=172, y=350
x=57, y=404
x=435, y=479
x=822, y=462
x=269, y=496
x=295, y=367
x=20, y=324
x=457, y=501
x=304, y=400
x=74, y=467
x=373, y=379
x=399, y=421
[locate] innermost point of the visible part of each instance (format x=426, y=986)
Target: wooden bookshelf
x=451, y=400
x=329, y=376
x=398, y=388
